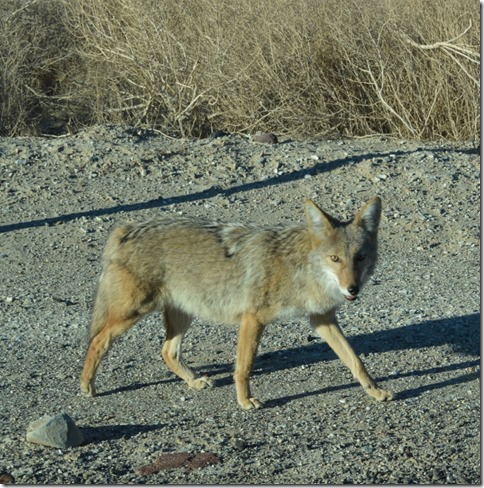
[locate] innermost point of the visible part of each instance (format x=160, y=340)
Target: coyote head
x=346, y=252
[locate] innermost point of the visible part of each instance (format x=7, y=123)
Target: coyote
x=234, y=273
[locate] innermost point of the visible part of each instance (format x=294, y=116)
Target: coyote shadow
x=409, y=393
x=135, y=386
x=461, y=334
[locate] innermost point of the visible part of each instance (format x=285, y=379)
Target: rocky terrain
x=416, y=324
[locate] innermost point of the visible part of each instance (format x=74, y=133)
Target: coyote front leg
x=327, y=327
x=249, y=336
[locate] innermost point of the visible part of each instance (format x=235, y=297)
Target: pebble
x=239, y=444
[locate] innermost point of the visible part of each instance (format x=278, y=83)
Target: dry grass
x=186, y=68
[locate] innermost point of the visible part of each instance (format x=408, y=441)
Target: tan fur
x=236, y=274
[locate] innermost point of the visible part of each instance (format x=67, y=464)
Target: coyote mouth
x=351, y=298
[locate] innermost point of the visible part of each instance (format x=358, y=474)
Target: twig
x=50, y=97
x=448, y=47
x=438, y=44
x=379, y=93
x=14, y=13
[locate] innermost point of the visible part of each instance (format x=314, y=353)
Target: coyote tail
x=101, y=303
x=100, y=310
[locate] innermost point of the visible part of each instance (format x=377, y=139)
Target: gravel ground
x=416, y=325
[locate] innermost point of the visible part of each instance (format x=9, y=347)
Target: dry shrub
x=300, y=67
x=37, y=56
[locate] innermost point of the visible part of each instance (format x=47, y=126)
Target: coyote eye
x=361, y=257
x=334, y=258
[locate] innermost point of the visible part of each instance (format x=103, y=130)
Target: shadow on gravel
x=321, y=167
x=415, y=392
x=113, y=432
x=134, y=387
x=461, y=334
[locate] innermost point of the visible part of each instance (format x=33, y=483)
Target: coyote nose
x=353, y=290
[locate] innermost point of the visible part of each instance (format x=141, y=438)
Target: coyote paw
x=381, y=395
x=250, y=403
x=200, y=383
x=88, y=390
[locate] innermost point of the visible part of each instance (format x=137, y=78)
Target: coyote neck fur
x=311, y=290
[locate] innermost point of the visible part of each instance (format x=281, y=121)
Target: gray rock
x=265, y=138
x=55, y=431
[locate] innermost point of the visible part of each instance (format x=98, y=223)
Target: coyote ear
x=369, y=216
x=318, y=221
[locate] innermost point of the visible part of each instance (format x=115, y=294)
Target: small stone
x=239, y=444
x=6, y=479
x=55, y=431
x=218, y=133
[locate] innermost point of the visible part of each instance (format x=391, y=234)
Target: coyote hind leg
x=177, y=323
x=98, y=347
x=121, y=302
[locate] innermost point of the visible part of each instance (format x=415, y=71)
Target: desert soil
x=416, y=324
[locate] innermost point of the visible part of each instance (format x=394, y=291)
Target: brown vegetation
x=186, y=68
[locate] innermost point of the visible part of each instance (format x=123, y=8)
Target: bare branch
x=444, y=44
x=379, y=93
